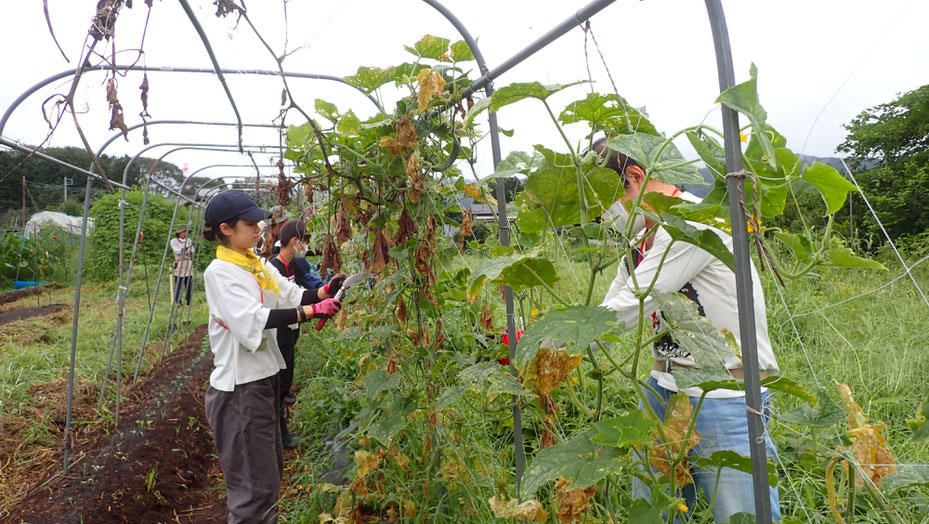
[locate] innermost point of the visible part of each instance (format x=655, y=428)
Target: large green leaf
x=579, y=459
x=370, y=78
x=845, y=257
x=515, y=92
x=489, y=270
x=744, y=99
x=527, y=273
x=577, y=326
x=605, y=112
x=517, y=271
x=827, y=412
x=349, y=125
x=905, y=476
x=785, y=385
x=327, y=110
x=554, y=187
x=491, y=379
x=799, y=245
x=625, y=430
x=517, y=162
x=710, y=151
x=709, y=346
x=643, y=148
x=830, y=184
x=706, y=239
x=430, y=46
x=730, y=459
x=461, y=52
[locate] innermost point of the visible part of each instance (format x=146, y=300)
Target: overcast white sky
x=820, y=62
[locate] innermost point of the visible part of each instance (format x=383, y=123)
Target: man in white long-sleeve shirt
x=679, y=267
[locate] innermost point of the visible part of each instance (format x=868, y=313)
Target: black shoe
x=289, y=400
x=287, y=440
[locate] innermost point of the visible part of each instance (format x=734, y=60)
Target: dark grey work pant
x=247, y=433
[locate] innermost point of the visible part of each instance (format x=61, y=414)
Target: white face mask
x=617, y=217
x=301, y=250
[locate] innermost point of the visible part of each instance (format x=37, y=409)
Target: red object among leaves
x=505, y=339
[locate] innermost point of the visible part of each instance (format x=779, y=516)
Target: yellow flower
x=742, y=137
x=534, y=313
x=683, y=507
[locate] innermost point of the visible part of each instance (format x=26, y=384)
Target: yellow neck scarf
x=249, y=262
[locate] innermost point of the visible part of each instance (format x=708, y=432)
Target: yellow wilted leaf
x=366, y=462
x=472, y=191
x=549, y=368
x=530, y=510
x=677, y=421
x=430, y=83
x=409, y=508
x=572, y=503
x=391, y=145
x=402, y=460
x=856, y=416
x=868, y=443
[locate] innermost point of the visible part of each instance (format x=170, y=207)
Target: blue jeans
x=723, y=425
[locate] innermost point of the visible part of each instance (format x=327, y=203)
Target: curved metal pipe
x=167, y=69
x=216, y=69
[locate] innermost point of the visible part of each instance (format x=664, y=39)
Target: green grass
x=37, y=350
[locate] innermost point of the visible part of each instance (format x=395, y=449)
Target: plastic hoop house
x=726, y=76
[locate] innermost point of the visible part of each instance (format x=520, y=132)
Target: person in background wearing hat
x=271, y=232
x=247, y=303
x=293, y=240
x=183, y=265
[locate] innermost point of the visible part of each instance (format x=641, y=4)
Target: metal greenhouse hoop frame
x=734, y=182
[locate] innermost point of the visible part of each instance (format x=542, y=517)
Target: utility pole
x=66, y=189
x=23, y=212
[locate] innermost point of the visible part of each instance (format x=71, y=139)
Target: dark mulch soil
x=159, y=467
x=13, y=296
x=30, y=312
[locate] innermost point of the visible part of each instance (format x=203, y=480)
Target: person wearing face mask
x=293, y=239
x=679, y=267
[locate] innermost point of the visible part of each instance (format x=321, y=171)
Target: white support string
x=883, y=230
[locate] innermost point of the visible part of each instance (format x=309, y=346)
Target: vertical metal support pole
x=66, y=450
x=743, y=270
x=151, y=311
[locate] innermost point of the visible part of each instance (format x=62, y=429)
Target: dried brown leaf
x=343, y=226
x=406, y=228
x=572, y=503
x=549, y=368
x=331, y=259
x=401, y=310
x=487, y=320
x=467, y=224
x=379, y=252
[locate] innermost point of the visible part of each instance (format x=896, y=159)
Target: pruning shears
x=349, y=282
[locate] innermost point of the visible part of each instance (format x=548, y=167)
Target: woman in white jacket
x=247, y=303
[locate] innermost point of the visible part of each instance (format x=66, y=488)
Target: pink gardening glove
x=326, y=308
x=335, y=284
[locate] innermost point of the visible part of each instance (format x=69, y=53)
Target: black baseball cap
x=232, y=204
